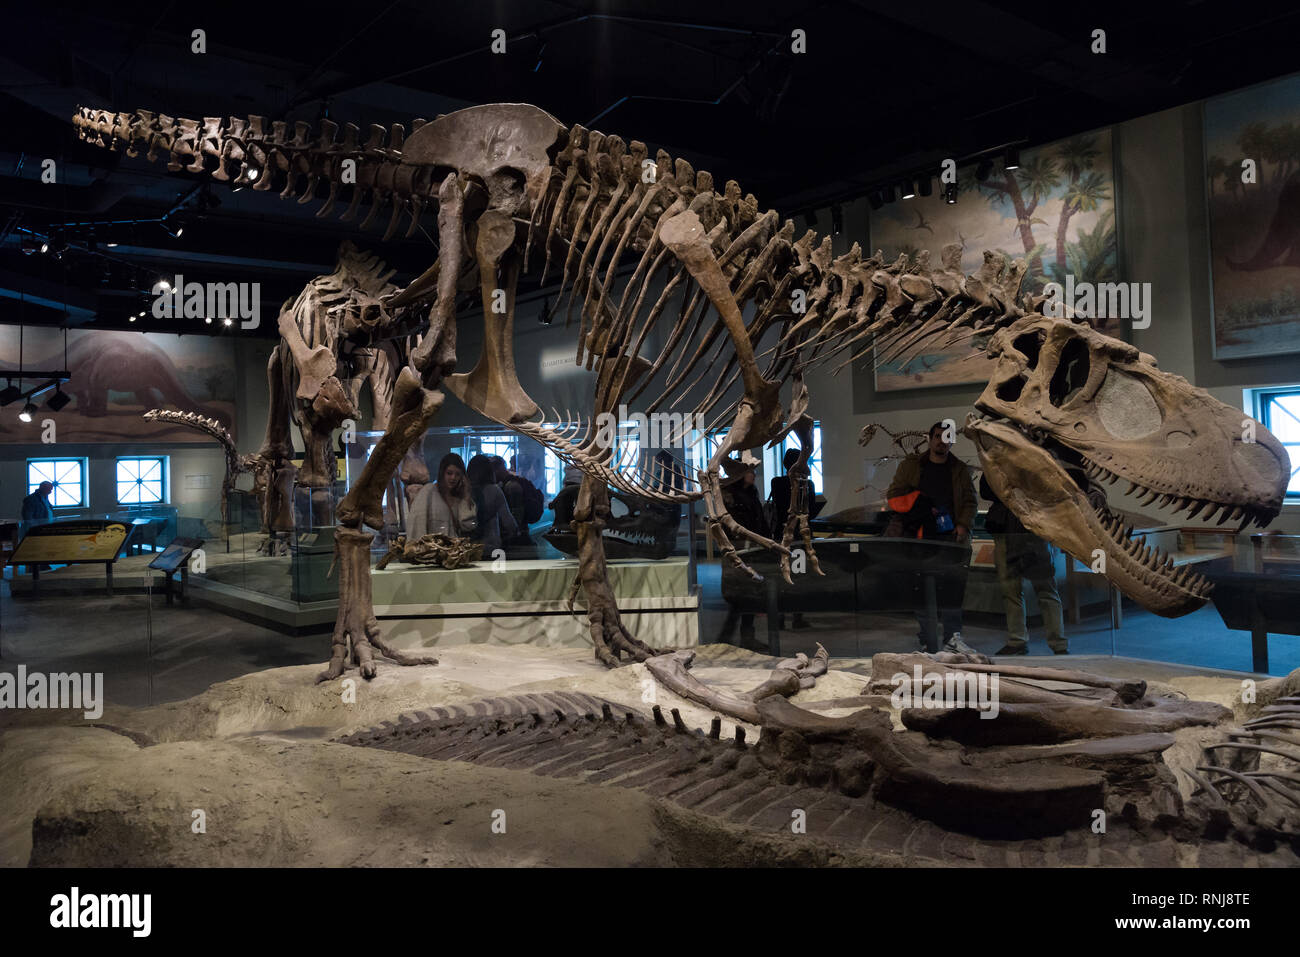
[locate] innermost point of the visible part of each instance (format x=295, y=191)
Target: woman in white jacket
x=444, y=507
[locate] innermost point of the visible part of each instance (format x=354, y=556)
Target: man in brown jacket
x=933, y=496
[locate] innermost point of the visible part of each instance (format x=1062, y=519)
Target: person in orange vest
x=932, y=496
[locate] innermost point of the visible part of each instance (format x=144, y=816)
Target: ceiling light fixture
x=58, y=400
x=28, y=411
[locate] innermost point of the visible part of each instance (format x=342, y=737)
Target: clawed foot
x=612, y=641
x=363, y=652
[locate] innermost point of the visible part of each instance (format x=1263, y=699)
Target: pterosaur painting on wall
x=1252, y=150
x=116, y=376
x=1056, y=211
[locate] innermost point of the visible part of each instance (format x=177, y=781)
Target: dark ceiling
x=884, y=89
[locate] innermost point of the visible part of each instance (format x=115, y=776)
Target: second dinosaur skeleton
x=1067, y=409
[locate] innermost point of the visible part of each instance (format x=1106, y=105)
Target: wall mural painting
x=1255, y=218
x=1057, y=212
x=116, y=377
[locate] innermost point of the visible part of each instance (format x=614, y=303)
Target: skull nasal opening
x=1071, y=373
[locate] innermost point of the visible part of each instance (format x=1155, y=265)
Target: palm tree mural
x=1024, y=189
x=1087, y=189
x=1090, y=259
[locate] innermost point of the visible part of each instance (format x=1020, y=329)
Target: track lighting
x=10, y=393
x=924, y=185
x=837, y=219
x=175, y=231
x=950, y=193
x=28, y=411
x=58, y=400
x=1013, y=159
x=908, y=190
x=874, y=199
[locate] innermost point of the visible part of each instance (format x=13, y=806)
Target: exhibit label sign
x=88, y=540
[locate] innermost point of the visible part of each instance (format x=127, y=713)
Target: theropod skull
x=1068, y=408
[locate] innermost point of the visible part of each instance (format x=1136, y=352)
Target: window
x=772, y=457
x=489, y=445
x=142, y=481
x=68, y=477
x=1279, y=410
x=554, y=473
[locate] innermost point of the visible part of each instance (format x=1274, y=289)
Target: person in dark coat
x=740, y=496
x=36, y=507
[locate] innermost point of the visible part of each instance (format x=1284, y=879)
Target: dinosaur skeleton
x=1067, y=406
x=272, y=475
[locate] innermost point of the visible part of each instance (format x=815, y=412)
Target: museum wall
x=196, y=468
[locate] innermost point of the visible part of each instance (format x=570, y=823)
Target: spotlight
x=908, y=190
x=225, y=322
x=208, y=320
x=58, y=400
x=131, y=318
x=950, y=193
x=164, y=285
x=9, y=394
x=45, y=246
x=1013, y=159
x=174, y=231
x=983, y=170
x=837, y=219
x=110, y=245
x=887, y=194
x=28, y=411
x=924, y=186
x=874, y=199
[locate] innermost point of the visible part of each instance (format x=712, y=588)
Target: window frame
x=1262, y=400
x=164, y=467
x=816, y=467
x=83, y=498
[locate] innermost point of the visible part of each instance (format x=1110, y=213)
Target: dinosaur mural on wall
x=1067, y=410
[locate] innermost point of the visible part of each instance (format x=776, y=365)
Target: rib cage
x=1256, y=772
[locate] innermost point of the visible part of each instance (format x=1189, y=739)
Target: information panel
x=62, y=543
